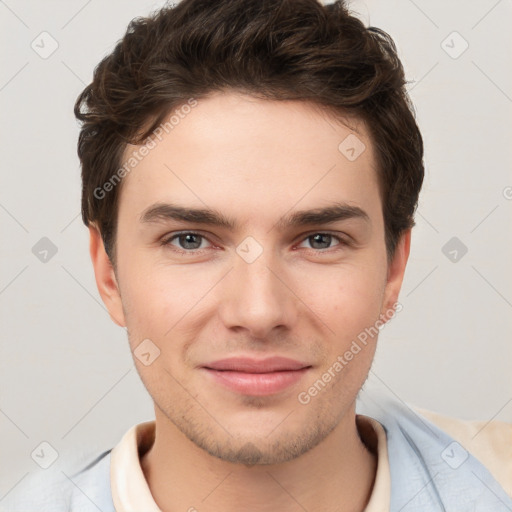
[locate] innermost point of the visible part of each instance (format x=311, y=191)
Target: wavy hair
x=271, y=49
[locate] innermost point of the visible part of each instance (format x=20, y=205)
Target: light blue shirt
x=429, y=471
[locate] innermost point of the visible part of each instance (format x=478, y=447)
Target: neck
x=337, y=474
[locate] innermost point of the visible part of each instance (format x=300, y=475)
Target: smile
x=256, y=377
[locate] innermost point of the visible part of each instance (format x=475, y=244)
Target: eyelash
x=167, y=242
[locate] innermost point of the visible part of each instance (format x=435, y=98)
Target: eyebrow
x=336, y=212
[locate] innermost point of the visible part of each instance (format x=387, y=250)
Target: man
x=250, y=175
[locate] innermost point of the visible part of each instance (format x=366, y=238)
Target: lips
x=256, y=377
x=248, y=365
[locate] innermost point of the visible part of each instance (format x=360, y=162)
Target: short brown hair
x=271, y=49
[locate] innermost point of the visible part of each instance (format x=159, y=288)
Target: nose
x=256, y=297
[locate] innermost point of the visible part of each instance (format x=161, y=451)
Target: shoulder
x=82, y=485
x=488, y=441
x=442, y=460
x=42, y=491
x=91, y=485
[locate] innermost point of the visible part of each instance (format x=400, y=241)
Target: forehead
x=243, y=153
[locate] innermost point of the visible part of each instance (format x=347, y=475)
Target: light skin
x=305, y=297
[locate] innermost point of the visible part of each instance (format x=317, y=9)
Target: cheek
x=157, y=298
x=350, y=307
x=350, y=298
x=144, y=297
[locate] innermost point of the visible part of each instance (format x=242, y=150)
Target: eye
x=322, y=241
x=187, y=241
x=190, y=242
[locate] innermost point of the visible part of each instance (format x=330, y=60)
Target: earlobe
x=396, y=271
x=106, y=280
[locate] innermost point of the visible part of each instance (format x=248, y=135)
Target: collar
x=130, y=490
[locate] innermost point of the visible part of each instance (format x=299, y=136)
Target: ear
x=106, y=280
x=396, y=271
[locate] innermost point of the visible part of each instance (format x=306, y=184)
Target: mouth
x=256, y=377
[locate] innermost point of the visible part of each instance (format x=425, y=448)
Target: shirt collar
x=130, y=490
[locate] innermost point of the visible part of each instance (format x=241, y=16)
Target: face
x=237, y=312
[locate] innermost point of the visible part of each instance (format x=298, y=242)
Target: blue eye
x=323, y=239
x=188, y=241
